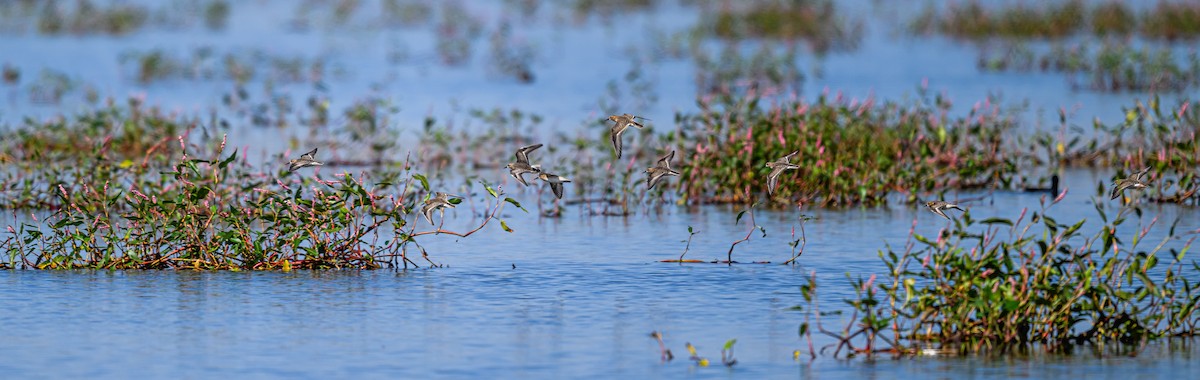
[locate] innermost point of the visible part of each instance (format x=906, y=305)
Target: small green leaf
x=424, y=181
x=515, y=203
x=200, y=193
x=739, y=217
x=454, y=201
x=997, y=221
x=923, y=239
x=505, y=226
x=226, y=161
x=491, y=191
x=729, y=344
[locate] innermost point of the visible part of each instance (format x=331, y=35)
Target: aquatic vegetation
x=753, y=226
x=664, y=352
x=727, y=353
x=130, y=132
x=11, y=74
x=87, y=18
x=691, y=233
x=817, y=22
x=127, y=186
x=456, y=31
x=369, y=126
x=767, y=71
x=1006, y=284
x=1153, y=135
x=511, y=57
x=216, y=14
x=608, y=8
x=83, y=17
x=798, y=245
x=209, y=210
x=1112, y=18
x=1172, y=20
x=204, y=63
x=975, y=20
x=51, y=86
x=1114, y=67
x=1169, y=20
x=850, y=152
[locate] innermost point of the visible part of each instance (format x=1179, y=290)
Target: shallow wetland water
x=559, y=297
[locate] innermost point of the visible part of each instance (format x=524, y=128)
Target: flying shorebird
x=305, y=160
x=622, y=123
x=777, y=168
x=556, y=182
x=940, y=207
x=660, y=170
x=440, y=200
x=522, y=166
x=1136, y=181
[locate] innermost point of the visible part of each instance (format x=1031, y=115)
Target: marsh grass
x=765, y=71
x=999, y=285
x=51, y=86
x=1167, y=20
x=128, y=186
x=850, y=152
x=128, y=132
x=1112, y=67
x=511, y=56
x=216, y=213
x=816, y=22
x=205, y=64
x=608, y=8
x=87, y=17
x=1152, y=134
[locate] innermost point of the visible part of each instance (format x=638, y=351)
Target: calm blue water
x=586, y=290
x=584, y=295
x=476, y=322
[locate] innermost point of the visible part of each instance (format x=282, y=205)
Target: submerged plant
x=798, y=245
x=753, y=226
x=691, y=234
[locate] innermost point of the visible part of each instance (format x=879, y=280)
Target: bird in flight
x=1136, y=181
x=305, y=160
x=777, y=168
x=660, y=170
x=940, y=207
x=622, y=123
x=522, y=166
x=556, y=182
x=439, y=201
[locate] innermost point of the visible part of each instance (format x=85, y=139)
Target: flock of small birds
x=662, y=168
